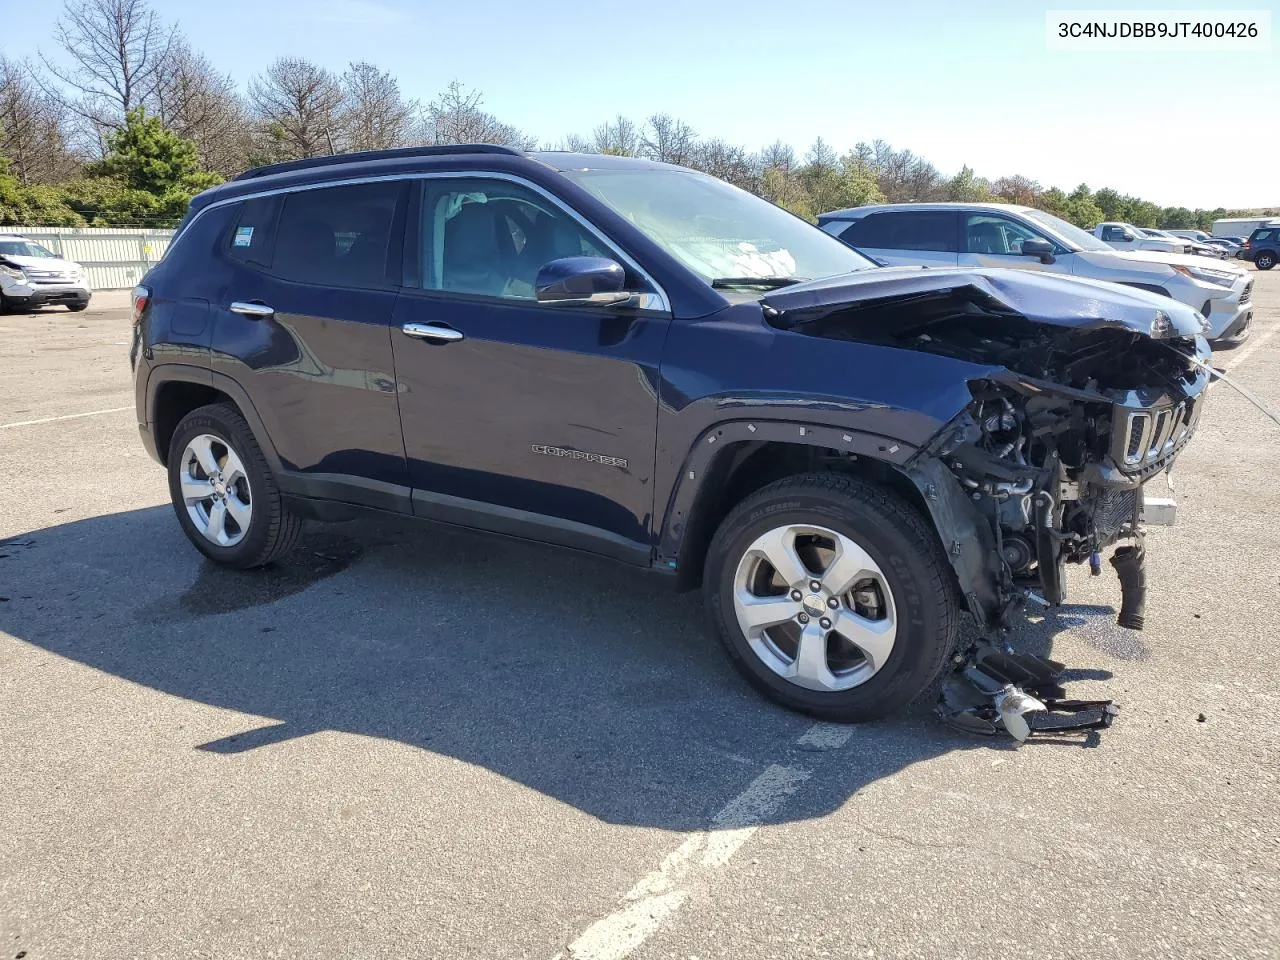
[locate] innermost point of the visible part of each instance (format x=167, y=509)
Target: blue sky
x=956, y=82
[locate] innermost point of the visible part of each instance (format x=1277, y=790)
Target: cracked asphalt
x=406, y=742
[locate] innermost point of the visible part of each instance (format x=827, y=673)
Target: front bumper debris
x=993, y=691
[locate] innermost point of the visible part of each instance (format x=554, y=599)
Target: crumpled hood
x=1049, y=298
x=42, y=263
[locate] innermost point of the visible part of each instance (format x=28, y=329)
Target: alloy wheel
x=215, y=490
x=815, y=607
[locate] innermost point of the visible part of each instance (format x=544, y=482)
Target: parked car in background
x=1195, y=247
x=1262, y=247
x=1125, y=236
x=1228, y=246
x=1004, y=235
x=1199, y=236
x=32, y=276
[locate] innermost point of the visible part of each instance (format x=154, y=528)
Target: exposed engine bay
x=1044, y=468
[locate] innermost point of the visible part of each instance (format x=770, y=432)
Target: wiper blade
x=770, y=283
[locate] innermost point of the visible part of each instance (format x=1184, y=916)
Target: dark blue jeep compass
x=641, y=361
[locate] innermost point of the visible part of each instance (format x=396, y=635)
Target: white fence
x=115, y=258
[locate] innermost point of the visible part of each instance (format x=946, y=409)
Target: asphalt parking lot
x=407, y=742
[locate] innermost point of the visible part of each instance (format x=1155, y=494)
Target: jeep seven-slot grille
x=1152, y=435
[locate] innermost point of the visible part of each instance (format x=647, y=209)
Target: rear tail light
x=141, y=297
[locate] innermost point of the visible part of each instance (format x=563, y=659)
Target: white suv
x=1004, y=235
x=31, y=276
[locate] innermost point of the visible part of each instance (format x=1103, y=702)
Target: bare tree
x=298, y=107
x=575, y=143
x=117, y=50
x=1017, y=189
x=203, y=105
x=377, y=115
x=821, y=157
x=778, y=156
x=725, y=160
x=455, y=116
x=33, y=129
x=667, y=139
x=619, y=137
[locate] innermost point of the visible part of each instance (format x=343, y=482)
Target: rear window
x=250, y=239
x=339, y=236
x=908, y=230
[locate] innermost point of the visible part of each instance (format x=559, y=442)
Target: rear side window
x=341, y=236
x=1263, y=235
x=933, y=230
x=1115, y=233
x=250, y=240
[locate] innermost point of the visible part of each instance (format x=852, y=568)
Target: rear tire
x=243, y=521
x=875, y=643
x=1265, y=260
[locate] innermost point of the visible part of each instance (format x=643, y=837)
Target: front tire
x=224, y=493
x=831, y=596
x=78, y=307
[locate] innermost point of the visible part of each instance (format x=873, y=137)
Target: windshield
x=717, y=230
x=22, y=248
x=1068, y=233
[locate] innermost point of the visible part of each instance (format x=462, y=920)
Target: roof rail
x=446, y=150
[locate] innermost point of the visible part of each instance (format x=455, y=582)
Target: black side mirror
x=581, y=281
x=1038, y=248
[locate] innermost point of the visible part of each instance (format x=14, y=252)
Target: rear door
x=522, y=417
x=898, y=237
x=304, y=326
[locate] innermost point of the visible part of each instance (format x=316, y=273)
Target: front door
x=994, y=240
x=530, y=419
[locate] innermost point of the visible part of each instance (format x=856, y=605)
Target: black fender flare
x=185, y=373
x=707, y=452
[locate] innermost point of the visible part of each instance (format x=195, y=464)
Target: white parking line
x=658, y=895
x=1249, y=349
x=69, y=416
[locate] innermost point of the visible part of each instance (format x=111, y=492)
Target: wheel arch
x=732, y=460
x=174, y=390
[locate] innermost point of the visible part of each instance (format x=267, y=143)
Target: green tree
x=146, y=156
x=966, y=187
x=1080, y=208
x=1113, y=205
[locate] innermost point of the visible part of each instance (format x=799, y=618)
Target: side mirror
x=1038, y=248
x=581, y=281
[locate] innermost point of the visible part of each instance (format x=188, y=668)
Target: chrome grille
x=1150, y=436
x=49, y=276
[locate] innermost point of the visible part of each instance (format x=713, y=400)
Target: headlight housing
x=14, y=272
x=1221, y=278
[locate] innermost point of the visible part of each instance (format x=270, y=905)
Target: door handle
x=431, y=331
x=253, y=308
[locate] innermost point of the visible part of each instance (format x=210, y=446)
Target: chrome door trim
x=259, y=311
x=659, y=297
x=431, y=331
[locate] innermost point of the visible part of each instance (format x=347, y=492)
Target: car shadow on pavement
x=586, y=681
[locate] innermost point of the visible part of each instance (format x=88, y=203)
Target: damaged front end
x=1090, y=391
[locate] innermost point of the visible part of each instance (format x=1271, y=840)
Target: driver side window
x=1114, y=234
x=491, y=237
x=993, y=234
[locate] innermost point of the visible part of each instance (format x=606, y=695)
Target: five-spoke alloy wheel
x=832, y=595
x=224, y=492
x=215, y=489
